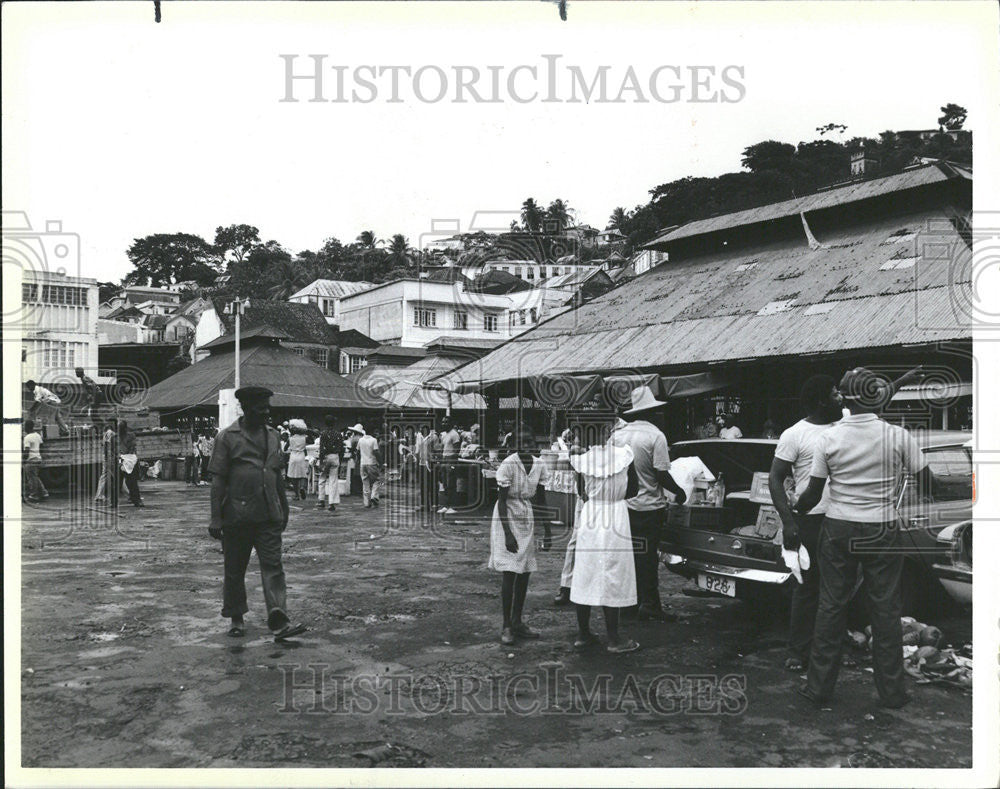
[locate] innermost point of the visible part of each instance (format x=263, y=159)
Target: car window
x=952, y=467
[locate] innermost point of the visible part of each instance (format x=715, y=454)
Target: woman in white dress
x=512, y=532
x=298, y=466
x=604, y=569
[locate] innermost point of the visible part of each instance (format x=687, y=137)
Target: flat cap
x=253, y=393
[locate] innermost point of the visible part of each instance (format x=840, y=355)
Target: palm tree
x=283, y=280
x=532, y=215
x=559, y=216
x=400, y=253
x=367, y=240
x=618, y=219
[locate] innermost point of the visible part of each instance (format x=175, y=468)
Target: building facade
x=326, y=295
x=60, y=326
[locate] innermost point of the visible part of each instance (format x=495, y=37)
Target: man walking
x=426, y=455
x=331, y=448
x=129, y=463
x=34, y=489
x=451, y=444
x=861, y=458
x=648, y=509
x=793, y=460
x=250, y=511
x=370, y=461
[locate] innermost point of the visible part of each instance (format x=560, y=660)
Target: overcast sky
x=120, y=127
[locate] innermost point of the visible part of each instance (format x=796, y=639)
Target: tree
x=400, y=253
x=558, y=216
x=952, y=117
x=106, y=290
x=618, y=220
x=532, y=216
x=367, y=240
x=831, y=128
x=767, y=155
x=235, y=241
x=255, y=274
x=165, y=258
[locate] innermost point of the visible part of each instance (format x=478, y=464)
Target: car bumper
x=956, y=581
x=691, y=567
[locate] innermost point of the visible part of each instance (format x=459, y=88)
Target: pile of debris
x=925, y=655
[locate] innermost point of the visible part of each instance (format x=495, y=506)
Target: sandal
x=589, y=640
x=237, y=631
x=628, y=646
x=290, y=630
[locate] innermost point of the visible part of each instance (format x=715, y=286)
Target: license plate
x=719, y=584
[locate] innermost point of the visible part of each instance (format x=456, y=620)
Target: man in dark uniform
x=250, y=511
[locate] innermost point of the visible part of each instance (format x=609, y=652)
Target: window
x=64, y=294
x=461, y=319
x=517, y=272
x=328, y=307
x=555, y=271
x=318, y=355
x=510, y=321
x=520, y=317
x=490, y=323
x=531, y=271
x=300, y=351
x=424, y=317
x=534, y=315
x=355, y=363
x=29, y=293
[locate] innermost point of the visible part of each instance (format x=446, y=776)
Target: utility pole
x=236, y=308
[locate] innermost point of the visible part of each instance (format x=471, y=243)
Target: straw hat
x=357, y=429
x=643, y=400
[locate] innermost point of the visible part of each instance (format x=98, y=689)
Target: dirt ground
x=126, y=661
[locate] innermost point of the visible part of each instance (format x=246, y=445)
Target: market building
x=874, y=273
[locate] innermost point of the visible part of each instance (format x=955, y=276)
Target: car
x=955, y=574
x=734, y=551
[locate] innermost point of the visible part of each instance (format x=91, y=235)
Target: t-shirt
x=731, y=433
x=33, y=443
x=450, y=443
x=366, y=449
x=649, y=449
x=43, y=395
x=862, y=457
x=427, y=448
x=796, y=446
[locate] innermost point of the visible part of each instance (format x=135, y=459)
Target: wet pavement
x=126, y=661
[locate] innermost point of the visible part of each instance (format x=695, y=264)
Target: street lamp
x=237, y=308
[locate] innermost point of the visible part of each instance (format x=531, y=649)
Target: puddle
x=105, y=652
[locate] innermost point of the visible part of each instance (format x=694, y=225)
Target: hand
x=680, y=497
x=215, y=532
x=510, y=542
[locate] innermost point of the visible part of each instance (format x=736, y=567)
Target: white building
x=149, y=300
x=529, y=270
x=412, y=312
x=327, y=293
x=60, y=326
x=645, y=259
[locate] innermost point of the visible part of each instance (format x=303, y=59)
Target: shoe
x=803, y=691
x=563, y=597
x=507, y=636
x=896, y=704
x=521, y=630
x=441, y=510
x=448, y=511
x=375, y=502
x=649, y=613
x=320, y=505
x=332, y=507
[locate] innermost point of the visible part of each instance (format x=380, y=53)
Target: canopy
x=934, y=391
x=567, y=391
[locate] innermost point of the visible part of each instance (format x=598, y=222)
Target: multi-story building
x=326, y=295
x=530, y=271
x=60, y=326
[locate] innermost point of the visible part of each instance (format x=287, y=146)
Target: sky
x=119, y=127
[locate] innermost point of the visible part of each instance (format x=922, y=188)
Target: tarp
x=568, y=391
x=934, y=391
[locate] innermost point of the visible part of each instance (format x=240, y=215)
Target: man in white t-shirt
x=370, y=463
x=861, y=458
x=451, y=443
x=34, y=489
x=647, y=511
x=45, y=400
x=793, y=461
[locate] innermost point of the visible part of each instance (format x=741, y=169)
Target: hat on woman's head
x=643, y=400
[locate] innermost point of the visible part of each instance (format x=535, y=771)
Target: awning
x=567, y=391
x=934, y=391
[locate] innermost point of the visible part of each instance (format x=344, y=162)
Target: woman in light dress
x=512, y=532
x=298, y=466
x=604, y=568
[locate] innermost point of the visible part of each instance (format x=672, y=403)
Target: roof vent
x=820, y=309
x=774, y=307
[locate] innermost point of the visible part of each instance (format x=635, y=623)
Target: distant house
x=308, y=332
x=611, y=235
x=530, y=271
x=585, y=235
x=326, y=295
x=148, y=300
x=180, y=328
x=155, y=326
x=354, y=349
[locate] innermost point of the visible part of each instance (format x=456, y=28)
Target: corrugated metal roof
x=295, y=381
x=302, y=322
x=332, y=288
x=862, y=190
x=706, y=309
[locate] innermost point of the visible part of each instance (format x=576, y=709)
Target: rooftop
x=332, y=288
x=300, y=322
